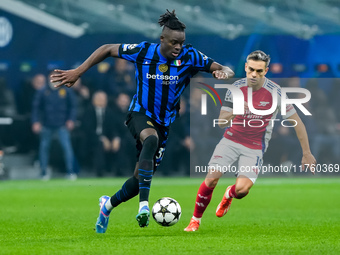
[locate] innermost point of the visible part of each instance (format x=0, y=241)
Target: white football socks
x=226, y=194
x=108, y=205
x=142, y=204
x=198, y=219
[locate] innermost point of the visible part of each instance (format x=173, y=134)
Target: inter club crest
x=163, y=68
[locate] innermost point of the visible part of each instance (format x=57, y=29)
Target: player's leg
x=203, y=198
x=151, y=143
x=136, y=123
x=241, y=187
x=239, y=190
x=249, y=163
x=149, y=139
x=129, y=190
x=223, y=155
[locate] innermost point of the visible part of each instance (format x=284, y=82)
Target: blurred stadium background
x=36, y=36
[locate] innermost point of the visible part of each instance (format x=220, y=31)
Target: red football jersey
x=251, y=130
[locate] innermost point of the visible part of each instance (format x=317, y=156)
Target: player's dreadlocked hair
x=170, y=20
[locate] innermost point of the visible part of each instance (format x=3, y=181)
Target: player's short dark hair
x=259, y=55
x=170, y=20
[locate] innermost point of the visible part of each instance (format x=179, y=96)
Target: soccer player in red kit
x=248, y=141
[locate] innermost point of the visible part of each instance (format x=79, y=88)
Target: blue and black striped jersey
x=160, y=82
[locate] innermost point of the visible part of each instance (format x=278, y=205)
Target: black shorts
x=136, y=122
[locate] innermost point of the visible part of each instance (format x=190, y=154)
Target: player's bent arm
x=227, y=116
x=69, y=77
x=103, y=52
x=221, y=72
x=301, y=133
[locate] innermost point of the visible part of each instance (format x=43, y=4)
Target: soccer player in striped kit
x=163, y=71
x=246, y=142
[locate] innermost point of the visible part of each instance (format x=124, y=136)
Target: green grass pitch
x=279, y=216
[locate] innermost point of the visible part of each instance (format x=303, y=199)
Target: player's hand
x=64, y=77
x=220, y=75
x=308, y=162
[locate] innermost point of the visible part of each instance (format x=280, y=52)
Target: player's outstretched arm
x=221, y=72
x=308, y=159
x=69, y=77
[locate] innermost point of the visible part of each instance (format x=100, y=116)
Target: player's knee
x=242, y=194
x=150, y=143
x=147, y=154
x=242, y=191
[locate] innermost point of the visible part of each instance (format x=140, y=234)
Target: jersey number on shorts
x=258, y=164
x=159, y=155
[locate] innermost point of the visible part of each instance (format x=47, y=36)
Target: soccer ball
x=166, y=211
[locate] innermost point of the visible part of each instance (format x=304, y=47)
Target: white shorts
x=227, y=152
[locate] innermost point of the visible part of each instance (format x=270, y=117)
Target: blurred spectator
x=82, y=94
x=204, y=136
x=7, y=100
x=334, y=98
x=7, y=110
x=101, y=136
x=294, y=82
x=180, y=144
x=326, y=144
x=54, y=112
x=27, y=92
x=82, y=98
x=317, y=94
x=122, y=78
x=126, y=157
x=27, y=140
